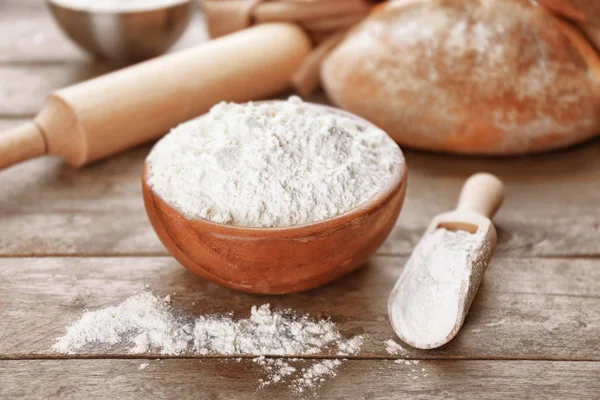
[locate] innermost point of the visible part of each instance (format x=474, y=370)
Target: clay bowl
x=278, y=260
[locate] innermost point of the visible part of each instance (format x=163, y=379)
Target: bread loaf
x=469, y=76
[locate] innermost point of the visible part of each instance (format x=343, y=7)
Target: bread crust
x=469, y=76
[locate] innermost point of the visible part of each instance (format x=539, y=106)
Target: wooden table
x=76, y=239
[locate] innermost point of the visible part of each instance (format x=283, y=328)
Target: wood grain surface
x=72, y=240
x=363, y=379
x=522, y=315
x=548, y=211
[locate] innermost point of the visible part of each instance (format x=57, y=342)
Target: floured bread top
x=481, y=76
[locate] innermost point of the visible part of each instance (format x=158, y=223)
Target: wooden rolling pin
x=125, y=108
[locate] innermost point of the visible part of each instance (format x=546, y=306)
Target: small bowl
x=124, y=35
x=278, y=260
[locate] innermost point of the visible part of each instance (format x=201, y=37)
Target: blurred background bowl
x=124, y=35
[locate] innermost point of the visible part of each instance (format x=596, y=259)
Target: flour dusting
x=351, y=346
x=146, y=323
x=394, y=348
x=143, y=321
x=277, y=369
x=313, y=376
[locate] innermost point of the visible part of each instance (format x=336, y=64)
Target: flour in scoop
x=117, y=5
x=427, y=304
x=274, y=164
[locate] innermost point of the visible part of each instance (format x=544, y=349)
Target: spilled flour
x=315, y=374
x=394, y=348
x=296, y=374
x=411, y=370
x=145, y=323
x=276, y=369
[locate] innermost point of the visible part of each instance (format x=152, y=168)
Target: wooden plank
x=550, y=207
x=33, y=6
x=29, y=34
x=356, y=379
x=24, y=88
x=106, y=218
x=526, y=308
x=48, y=208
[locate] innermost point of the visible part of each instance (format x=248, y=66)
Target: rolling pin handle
x=482, y=193
x=21, y=143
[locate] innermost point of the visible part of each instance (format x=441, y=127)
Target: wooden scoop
x=432, y=297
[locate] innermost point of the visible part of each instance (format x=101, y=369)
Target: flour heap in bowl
x=272, y=164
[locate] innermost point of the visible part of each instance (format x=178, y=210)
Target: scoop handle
x=21, y=143
x=482, y=193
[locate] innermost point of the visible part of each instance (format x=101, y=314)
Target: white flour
x=276, y=369
x=271, y=165
x=394, y=348
x=142, y=367
x=266, y=332
x=350, y=346
x=117, y=5
x=426, y=307
x=315, y=374
x=411, y=370
x=407, y=362
x=298, y=379
x=145, y=323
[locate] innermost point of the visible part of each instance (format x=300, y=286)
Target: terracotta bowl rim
x=396, y=183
